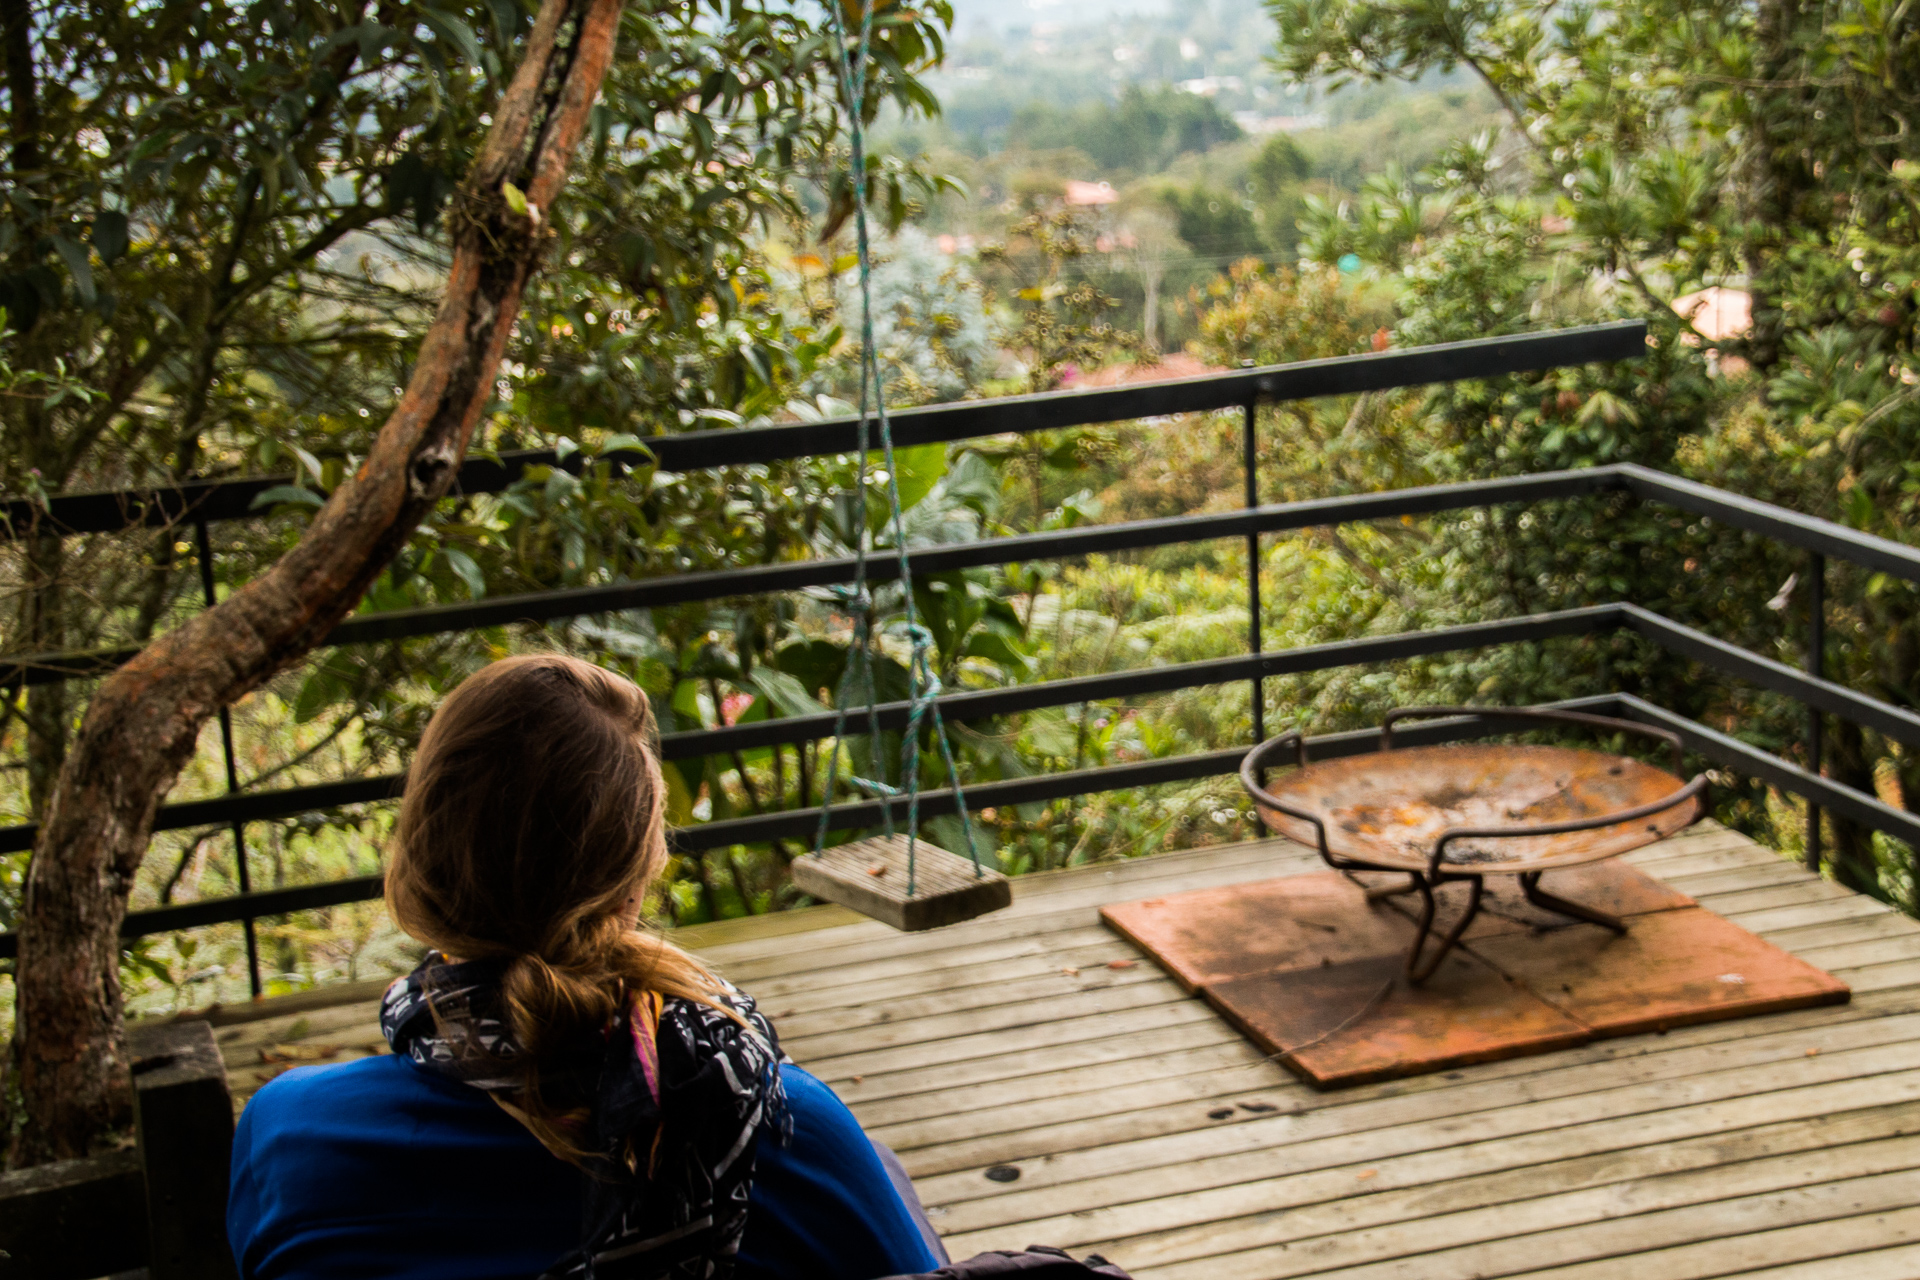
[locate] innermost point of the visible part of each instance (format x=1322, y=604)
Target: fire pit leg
x=1530, y=886
x=1375, y=892
x=1417, y=971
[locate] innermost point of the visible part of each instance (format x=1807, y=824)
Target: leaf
x=75, y=256
x=463, y=564
x=287, y=493
x=995, y=648
x=330, y=682
x=814, y=664
x=686, y=706
x=454, y=32
x=917, y=470
x=109, y=235
x=679, y=804
x=311, y=463
x=788, y=696
x=516, y=198
x=507, y=20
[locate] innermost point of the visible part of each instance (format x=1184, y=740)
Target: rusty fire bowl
x=1386, y=809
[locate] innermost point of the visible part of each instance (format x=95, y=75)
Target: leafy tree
x=1278, y=167
x=228, y=227
x=1655, y=148
x=1141, y=133
x=1276, y=179
x=930, y=324
x=1214, y=222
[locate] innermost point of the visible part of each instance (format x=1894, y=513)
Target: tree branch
x=144, y=723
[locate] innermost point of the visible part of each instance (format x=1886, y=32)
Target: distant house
x=1253, y=122
x=1718, y=313
x=1090, y=193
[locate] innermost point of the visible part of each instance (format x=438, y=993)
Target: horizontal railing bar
x=934, y=424
x=1811, y=533
x=798, y=822
x=243, y=906
x=802, y=823
x=1730, y=659
x=1825, y=536
x=720, y=584
x=980, y=704
x=246, y=806
x=1868, y=811
x=258, y=806
x=969, y=705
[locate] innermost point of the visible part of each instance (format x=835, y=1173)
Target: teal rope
x=924, y=685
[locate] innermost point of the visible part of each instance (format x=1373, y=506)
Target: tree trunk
x=1150, y=318
x=43, y=630
x=142, y=726
x=1772, y=181
x=23, y=87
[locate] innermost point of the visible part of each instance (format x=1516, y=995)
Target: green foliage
x=230, y=275
x=930, y=323
x=222, y=240
x=1215, y=223
x=1141, y=133
x=1761, y=149
x=1061, y=317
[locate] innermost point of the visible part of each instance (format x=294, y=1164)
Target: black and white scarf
x=675, y=1092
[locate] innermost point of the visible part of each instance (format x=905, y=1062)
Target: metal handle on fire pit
x=1254, y=767
x=1547, y=715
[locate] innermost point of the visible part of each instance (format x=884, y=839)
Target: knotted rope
x=923, y=684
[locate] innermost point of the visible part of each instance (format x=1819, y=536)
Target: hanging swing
x=898, y=879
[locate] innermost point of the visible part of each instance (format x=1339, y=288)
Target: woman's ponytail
x=531, y=825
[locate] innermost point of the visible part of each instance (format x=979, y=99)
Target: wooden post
x=183, y=1115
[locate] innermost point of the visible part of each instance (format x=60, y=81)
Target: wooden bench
x=158, y=1210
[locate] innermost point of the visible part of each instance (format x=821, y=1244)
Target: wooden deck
x=1783, y=1147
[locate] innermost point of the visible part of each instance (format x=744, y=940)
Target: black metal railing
x=199, y=504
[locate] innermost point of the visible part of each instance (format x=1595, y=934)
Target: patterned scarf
x=671, y=1086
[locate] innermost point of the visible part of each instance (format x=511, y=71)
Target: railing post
x=1250, y=463
x=1816, y=667
x=233, y=774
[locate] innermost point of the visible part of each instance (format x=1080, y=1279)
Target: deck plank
x=1415, y=1187
x=1785, y=1147
x=1126, y=1171
x=1407, y=1229
x=1901, y=1262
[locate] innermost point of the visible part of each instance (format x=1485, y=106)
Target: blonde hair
x=531, y=824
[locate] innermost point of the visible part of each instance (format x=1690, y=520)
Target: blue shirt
x=379, y=1168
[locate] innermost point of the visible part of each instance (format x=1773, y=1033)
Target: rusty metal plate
x=1296, y=922
x=1670, y=969
x=1612, y=887
x=1466, y=1012
x=1386, y=808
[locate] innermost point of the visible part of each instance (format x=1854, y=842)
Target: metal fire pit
x=1469, y=811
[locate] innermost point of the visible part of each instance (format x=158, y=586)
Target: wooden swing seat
x=870, y=876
